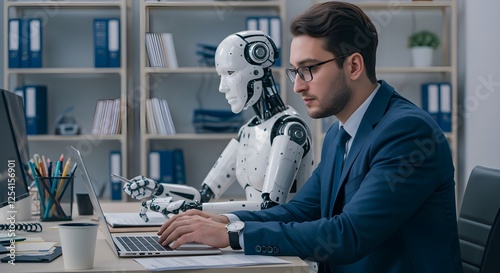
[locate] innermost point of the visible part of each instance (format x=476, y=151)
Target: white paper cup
x=78, y=244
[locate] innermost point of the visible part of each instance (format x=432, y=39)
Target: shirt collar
x=352, y=124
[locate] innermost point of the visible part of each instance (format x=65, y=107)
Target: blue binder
x=115, y=166
x=430, y=99
x=114, y=42
x=161, y=166
x=101, y=55
x=35, y=48
x=180, y=172
x=445, y=106
x=35, y=99
x=24, y=43
x=14, y=43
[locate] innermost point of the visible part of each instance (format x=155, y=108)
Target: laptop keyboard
x=142, y=243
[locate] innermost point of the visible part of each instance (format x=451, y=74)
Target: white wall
x=480, y=104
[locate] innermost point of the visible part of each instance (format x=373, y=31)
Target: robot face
x=239, y=61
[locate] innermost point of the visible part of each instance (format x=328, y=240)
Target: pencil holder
x=56, y=198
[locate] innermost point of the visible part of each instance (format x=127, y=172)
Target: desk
x=106, y=261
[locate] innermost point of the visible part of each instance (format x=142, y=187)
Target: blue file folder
x=35, y=47
x=114, y=42
x=24, y=43
x=101, y=55
x=115, y=163
x=35, y=99
x=14, y=43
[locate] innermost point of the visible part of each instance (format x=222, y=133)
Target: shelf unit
x=182, y=85
x=383, y=14
x=68, y=72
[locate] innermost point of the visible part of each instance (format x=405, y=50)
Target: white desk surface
x=106, y=261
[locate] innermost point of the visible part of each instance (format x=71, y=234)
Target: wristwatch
x=234, y=230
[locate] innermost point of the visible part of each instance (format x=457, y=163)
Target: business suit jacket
x=394, y=210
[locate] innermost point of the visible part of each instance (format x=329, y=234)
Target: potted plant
x=422, y=44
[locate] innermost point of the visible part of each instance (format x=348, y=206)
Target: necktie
x=339, y=158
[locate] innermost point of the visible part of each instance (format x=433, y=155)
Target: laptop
x=133, y=245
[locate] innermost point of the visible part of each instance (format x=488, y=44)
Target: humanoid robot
x=272, y=156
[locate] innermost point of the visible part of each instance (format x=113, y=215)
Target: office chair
x=479, y=222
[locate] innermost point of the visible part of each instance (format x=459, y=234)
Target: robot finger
x=144, y=210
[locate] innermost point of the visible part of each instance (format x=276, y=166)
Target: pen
x=61, y=182
x=53, y=187
x=40, y=190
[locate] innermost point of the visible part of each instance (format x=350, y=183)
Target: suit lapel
x=376, y=111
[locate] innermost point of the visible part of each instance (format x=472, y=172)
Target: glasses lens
x=291, y=74
x=305, y=73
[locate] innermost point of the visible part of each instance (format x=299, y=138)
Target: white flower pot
x=422, y=56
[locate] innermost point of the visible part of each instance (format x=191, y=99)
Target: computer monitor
x=14, y=157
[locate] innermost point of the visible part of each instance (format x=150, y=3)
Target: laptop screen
x=84, y=175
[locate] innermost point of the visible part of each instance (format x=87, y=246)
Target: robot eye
x=230, y=72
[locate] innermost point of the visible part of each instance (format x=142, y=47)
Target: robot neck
x=270, y=102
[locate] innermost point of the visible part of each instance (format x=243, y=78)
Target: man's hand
x=140, y=187
x=195, y=226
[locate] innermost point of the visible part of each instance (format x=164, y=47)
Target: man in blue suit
x=391, y=207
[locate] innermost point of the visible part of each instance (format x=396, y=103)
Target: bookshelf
x=193, y=85
x=71, y=78
x=395, y=21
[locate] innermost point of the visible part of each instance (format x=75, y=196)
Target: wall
x=481, y=96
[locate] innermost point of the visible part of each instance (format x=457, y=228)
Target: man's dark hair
x=345, y=29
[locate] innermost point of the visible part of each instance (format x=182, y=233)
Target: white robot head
x=240, y=61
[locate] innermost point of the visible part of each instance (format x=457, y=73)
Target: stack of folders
x=216, y=121
x=158, y=117
x=107, y=117
x=160, y=49
x=25, y=42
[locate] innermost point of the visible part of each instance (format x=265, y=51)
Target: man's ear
x=355, y=66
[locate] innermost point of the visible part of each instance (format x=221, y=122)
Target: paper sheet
x=210, y=261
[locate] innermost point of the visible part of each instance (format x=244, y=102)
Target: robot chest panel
x=253, y=155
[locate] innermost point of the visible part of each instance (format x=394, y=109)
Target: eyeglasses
x=305, y=72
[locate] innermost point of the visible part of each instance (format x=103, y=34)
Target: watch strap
x=234, y=240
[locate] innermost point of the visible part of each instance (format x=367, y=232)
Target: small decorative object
x=422, y=44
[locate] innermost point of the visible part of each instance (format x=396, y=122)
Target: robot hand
x=140, y=187
x=166, y=206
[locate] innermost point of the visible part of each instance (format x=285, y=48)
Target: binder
x=275, y=33
x=161, y=166
x=24, y=43
x=115, y=166
x=154, y=165
x=430, y=100
x=35, y=97
x=264, y=25
x=35, y=47
x=252, y=23
x=180, y=170
x=167, y=167
x=101, y=55
x=114, y=42
x=445, y=106
x=20, y=92
x=14, y=43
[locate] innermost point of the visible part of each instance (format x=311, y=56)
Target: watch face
x=235, y=226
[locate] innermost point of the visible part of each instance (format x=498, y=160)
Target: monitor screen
x=14, y=155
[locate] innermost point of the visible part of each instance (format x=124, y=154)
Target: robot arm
x=284, y=161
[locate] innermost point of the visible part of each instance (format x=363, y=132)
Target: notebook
x=133, y=245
